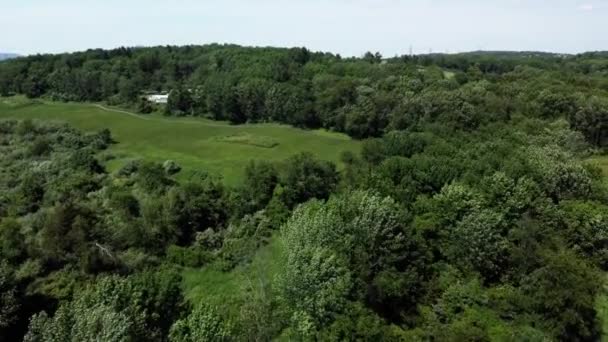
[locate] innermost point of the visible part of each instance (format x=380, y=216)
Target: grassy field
x=448, y=74
x=602, y=162
x=230, y=289
x=195, y=143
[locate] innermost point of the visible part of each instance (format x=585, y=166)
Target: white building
x=158, y=98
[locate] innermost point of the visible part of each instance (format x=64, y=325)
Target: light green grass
x=448, y=74
x=602, y=162
x=227, y=289
x=249, y=139
x=196, y=144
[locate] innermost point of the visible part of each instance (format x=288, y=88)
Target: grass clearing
x=602, y=162
x=449, y=74
x=226, y=289
x=249, y=139
x=196, y=144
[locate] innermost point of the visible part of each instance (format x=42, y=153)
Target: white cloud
x=586, y=7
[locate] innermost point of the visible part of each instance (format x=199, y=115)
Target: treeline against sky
x=469, y=214
x=364, y=97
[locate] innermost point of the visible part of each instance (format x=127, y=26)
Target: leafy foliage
x=469, y=213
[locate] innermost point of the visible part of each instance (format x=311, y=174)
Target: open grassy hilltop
x=195, y=143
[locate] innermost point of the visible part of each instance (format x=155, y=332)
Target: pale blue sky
x=349, y=27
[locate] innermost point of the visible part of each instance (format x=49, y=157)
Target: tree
x=586, y=230
x=592, y=120
x=203, y=324
x=179, y=102
x=479, y=242
x=372, y=57
x=194, y=207
x=250, y=96
x=80, y=321
x=144, y=106
x=140, y=307
x=563, y=290
x=152, y=177
x=9, y=302
x=306, y=177
x=557, y=173
x=363, y=119
x=345, y=249
x=12, y=244
x=553, y=105
x=261, y=179
x=127, y=90
x=34, y=87
x=285, y=103
x=171, y=167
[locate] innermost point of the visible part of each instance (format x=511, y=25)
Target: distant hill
x=514, y=53
x=4, y=55
x=504, y=54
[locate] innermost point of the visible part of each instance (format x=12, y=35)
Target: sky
x=348, y=27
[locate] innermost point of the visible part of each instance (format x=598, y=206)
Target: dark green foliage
x=356, y=247
x=40, y=147
x=305, y=178
x=586, y=230
x=102, y=139
x=469, y=215
x=141, y=307
x=554, y=105
x=151, y=177
x=180, y=102
x=84, y=159
x=12, y=244
x=261, y=179
x=171, y=167
x=242, y=239
x=9, y=301
x=196, y=207
x=144, y=106
x=364, y=97
x=30, y=193
x=194, y=256
x=592, y=120
x=202, y=324
x=563, y=291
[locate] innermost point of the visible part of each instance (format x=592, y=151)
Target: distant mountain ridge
x=526, y=54
x=6, y=55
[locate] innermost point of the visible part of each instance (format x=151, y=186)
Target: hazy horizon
x=347, y=27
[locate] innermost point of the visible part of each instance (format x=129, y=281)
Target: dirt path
x=189, y=122
x=122, y=111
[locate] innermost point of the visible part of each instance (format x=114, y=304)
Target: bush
x=188, y=256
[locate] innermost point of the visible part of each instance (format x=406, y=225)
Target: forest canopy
x=470, y=213
x=364, y=97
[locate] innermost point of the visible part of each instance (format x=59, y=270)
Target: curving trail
x=189, y=122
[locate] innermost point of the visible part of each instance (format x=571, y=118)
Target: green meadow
x=229, y=289
x=602, y=162
x=196, y=144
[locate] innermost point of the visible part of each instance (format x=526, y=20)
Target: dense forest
x=470, y=213
x=364, y=97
